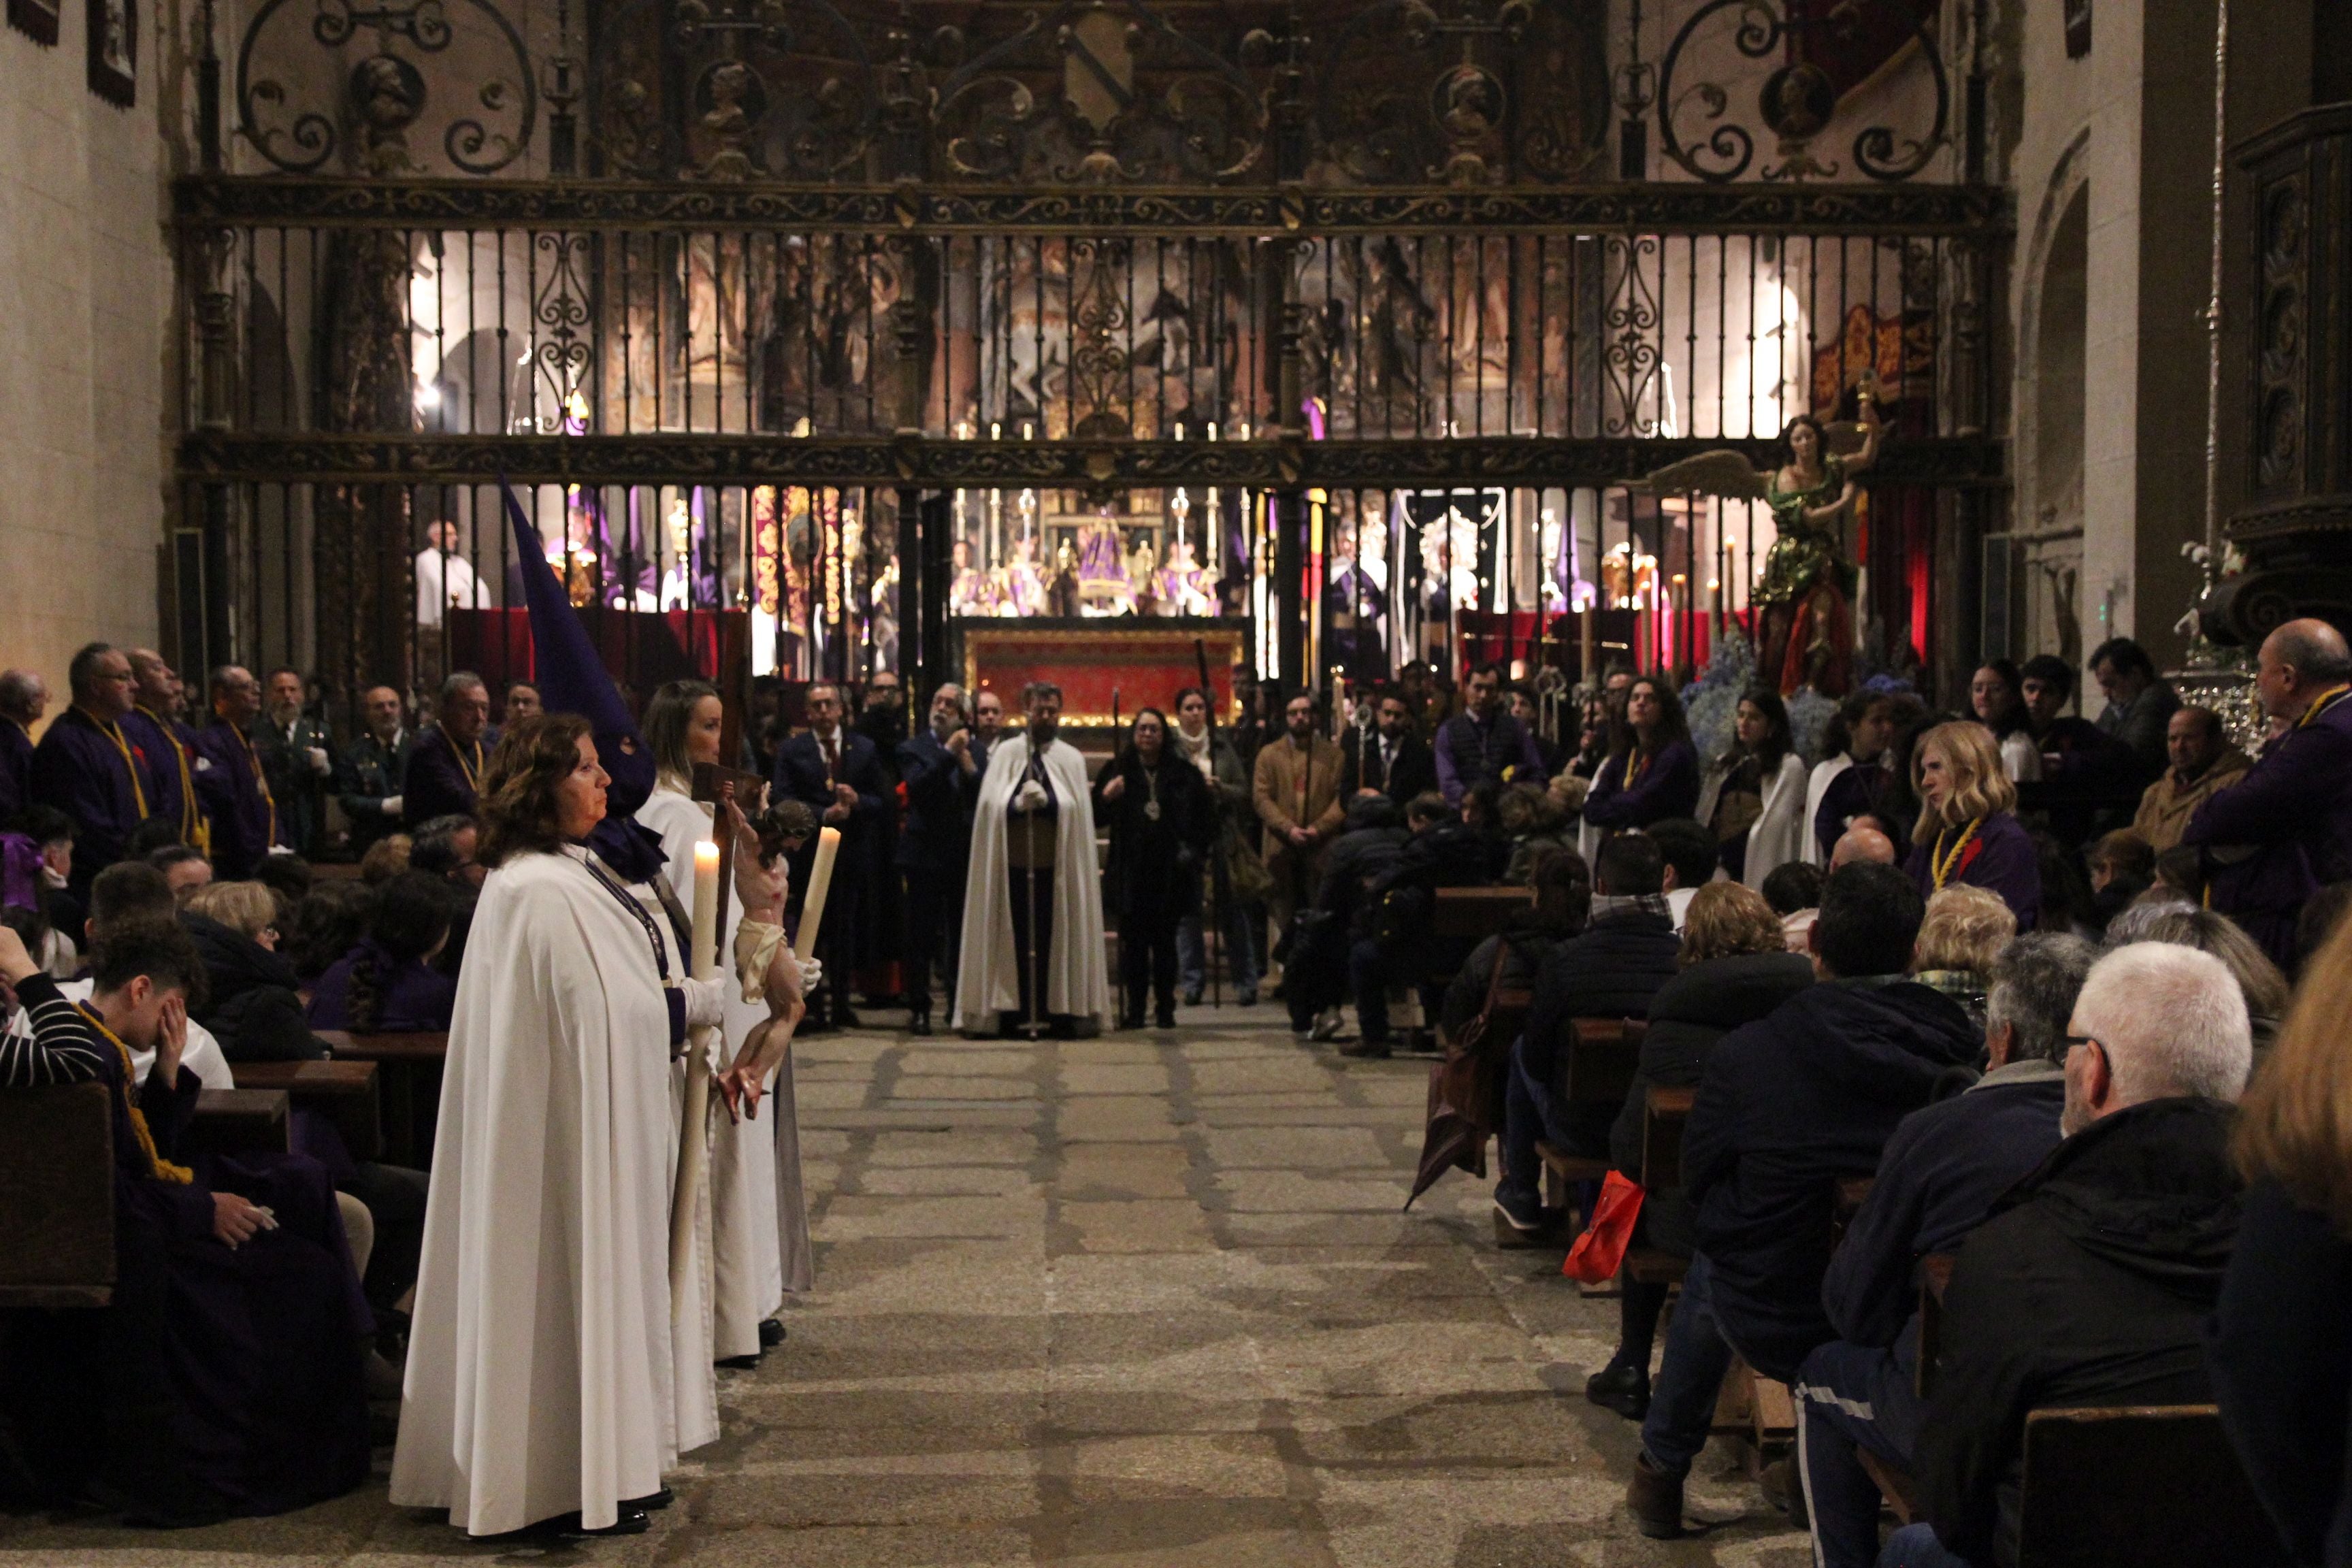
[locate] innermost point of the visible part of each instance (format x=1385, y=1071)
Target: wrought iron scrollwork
x=725, y=91
x=563, y=347
x=1823, y=48
x=485, y=109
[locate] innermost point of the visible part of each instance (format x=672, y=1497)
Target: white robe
x=758, y=1216
x=543, y=1375
x=1077, y=979
x=1775, y=838
x=1816, y=787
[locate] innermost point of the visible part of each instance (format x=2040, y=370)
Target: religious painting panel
x=113, y=49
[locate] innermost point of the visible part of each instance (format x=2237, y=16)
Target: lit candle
x=694, y=1145
x=706, y=909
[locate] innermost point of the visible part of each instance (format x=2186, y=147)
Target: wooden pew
x=345, y=1092
x=2153, y=1485
x=1599, y=1063
x=411, y=1093
x=1460, y=919
x=57, y=1196
x=241, y=1120
x=1895, y=1484
x=1664, y=1112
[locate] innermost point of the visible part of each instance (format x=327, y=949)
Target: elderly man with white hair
x=2090, y=1281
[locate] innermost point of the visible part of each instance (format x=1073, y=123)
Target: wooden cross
x=710, y=780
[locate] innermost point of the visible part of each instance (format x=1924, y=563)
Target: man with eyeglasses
x=2090, y=1283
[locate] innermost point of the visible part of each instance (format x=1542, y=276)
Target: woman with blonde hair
x=2280, y=1348
x=1959, y=941
x=1967, y=833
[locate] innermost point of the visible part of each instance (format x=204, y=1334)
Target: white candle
x=705, y=957
x=693, y=1152
x=828, y=844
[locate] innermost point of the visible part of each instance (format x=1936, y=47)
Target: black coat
x=1150, y=874
x=252, y=1007
x=800, y=775
x=1689, y=1014
x=2088, y=1285
x=2280, y=1349
x=1786, y=1106
x=435, y=783
x=941, y=796
x=369, y=774
x=1612, y=971
x=1412, y=770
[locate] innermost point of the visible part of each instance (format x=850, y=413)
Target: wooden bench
x=57, y=1196
x=241, y=1120
x=411, y=1092
x=1598, y=1073
x=1459, y=920
x=2153, y=1485
x=344, y=1092
x=1664, y=1113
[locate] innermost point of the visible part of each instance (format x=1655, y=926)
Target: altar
x=1104, y=667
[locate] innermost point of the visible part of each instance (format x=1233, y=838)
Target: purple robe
x=79, y=770
x=249, y=824
x=181, y=786
x=15, y=769
x=2295, y=806
x=2001, y=859
x=1667, y=787
x=413, y=998
x=435, y=782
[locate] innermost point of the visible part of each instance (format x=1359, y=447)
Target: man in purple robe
x=88, y=768
x=2279, y=834
x=23, y=698
x=188, y=788
x=247, y=826
x=445, y=766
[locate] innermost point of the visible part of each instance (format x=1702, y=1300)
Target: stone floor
x=1143, y=1299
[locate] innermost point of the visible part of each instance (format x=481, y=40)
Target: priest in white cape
x=759, y=1218
x=1032, y=920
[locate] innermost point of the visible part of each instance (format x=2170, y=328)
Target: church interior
x=1834, y=352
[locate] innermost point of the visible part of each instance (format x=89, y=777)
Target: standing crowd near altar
x=2066, y=984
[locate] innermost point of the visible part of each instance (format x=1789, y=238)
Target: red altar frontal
x=642, y=649
x=1122, y=663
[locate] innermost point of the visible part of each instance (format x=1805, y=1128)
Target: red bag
x=1601, y=1249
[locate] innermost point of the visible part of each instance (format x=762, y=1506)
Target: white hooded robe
x=1077, y=979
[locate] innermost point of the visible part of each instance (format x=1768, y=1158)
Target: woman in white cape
x=759, y=1218
x=1753, y=796
x=542, y=1388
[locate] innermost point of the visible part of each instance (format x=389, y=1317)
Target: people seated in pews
x=2278, y=1350
x=2122, y=866
x=288, y=877
x=2140, y=703
x=2202, y=761
x=2282, y=830
x=544, y=1381
x=1389, y=758
x=1626, y=952
x=1563, y=903
x=1852, y=778
x=1691, y=861
x=227, y=1376
x=1733, y=969
x=444, y=774
x=23, y=698
x=248, y=823
x=1161, y=820
x=40, y=845
x=1443, y=851
x=1786, y=1107
x=1968, y=830
x=368, y=776
x=1652, y=769
x=2090, y=1283
x=1960, y=937
x=1218, y=893
x=1315, y=978
x=327, y=925
x=253, y=1006
x=86, y=769
x=1533, y=825
x=1794, y=893
x=445, y=847
x=184, y=867
x=1941, y=1172
x=1997, y=699
x=1483, y=745
x=1752, y=798
x=385, y=981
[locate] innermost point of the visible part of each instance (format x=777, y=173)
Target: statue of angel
x=1806, y=593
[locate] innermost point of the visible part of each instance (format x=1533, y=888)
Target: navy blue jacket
x=1786, y=1107
x=1610, y=971
x=1937, y=1180
x=433, y=783
x=937, y=835
x=1668, y=787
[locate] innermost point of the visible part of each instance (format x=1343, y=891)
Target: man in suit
x=940, y=767
x=1393, y=760
x=372, y=767
x=23, y=698
x=1483, y=745
x=298, y=755
x=444, y=767
x=834, y=770
x=1296, y=788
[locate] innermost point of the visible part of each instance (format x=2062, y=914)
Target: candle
x=828, y=844
x=694, y=1146
x=706, y=909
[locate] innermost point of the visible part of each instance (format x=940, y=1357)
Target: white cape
x=758, y=1216
x=1816, y=787
x=1077, y=979
x=542, y=1372
x=1777, y=835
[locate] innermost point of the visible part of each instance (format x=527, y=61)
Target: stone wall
x=85, y=303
